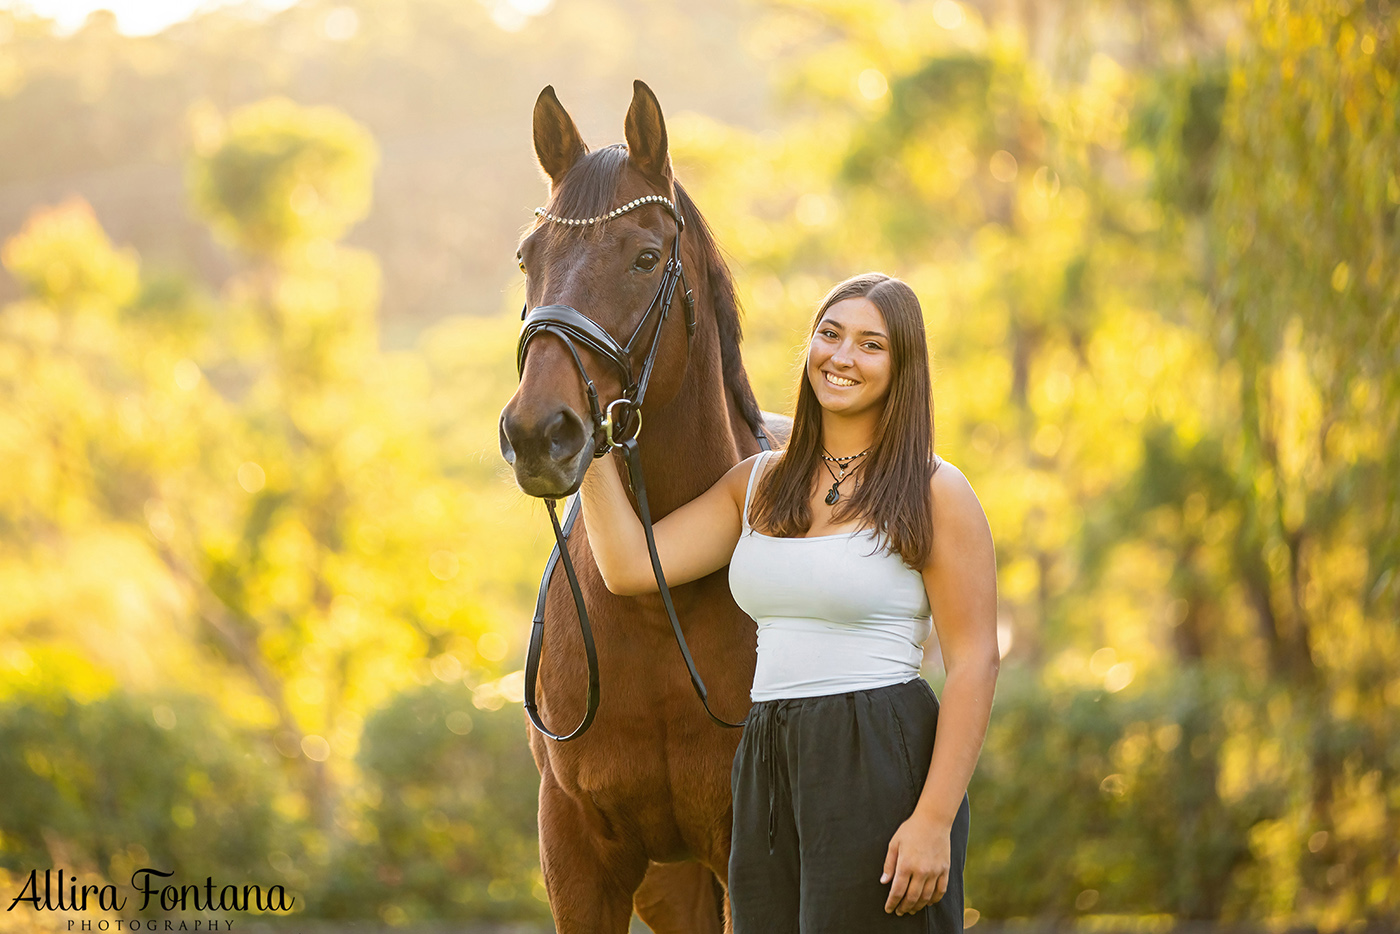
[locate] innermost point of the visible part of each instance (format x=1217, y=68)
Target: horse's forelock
x=590, y=187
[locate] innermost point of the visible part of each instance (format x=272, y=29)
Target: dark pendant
x=832, y=495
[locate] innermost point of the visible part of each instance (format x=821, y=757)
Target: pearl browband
x=629, y=206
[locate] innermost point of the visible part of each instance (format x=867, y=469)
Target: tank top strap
x=754, y=472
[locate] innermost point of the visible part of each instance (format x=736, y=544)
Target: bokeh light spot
x=949, y=14
x=872, y=84
x=1003, y=166
x=492, y=646
x=251, y=477
x=317, y=749
x=341, y=24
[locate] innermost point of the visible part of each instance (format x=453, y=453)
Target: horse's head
x=609, y=272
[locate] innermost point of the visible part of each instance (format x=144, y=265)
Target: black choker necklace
x=844, y=463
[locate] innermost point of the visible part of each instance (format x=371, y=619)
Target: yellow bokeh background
x=265, y=579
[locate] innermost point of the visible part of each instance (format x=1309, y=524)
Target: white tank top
x=835, y=613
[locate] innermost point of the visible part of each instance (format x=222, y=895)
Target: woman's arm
x=960, y=578
x=695, y=540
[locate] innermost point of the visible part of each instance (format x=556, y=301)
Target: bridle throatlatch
x=615, y=428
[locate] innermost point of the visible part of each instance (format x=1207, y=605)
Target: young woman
x=846, y=548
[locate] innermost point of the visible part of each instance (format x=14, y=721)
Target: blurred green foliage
x=1155, y=243
x=1189, y=798
x=241, y=497
x=448, y=826
x=280, y=175
x=134, y=782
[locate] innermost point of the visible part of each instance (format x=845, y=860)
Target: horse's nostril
x=507, y=449
x=565, y=435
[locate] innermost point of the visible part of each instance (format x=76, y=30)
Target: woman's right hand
x=696, y=539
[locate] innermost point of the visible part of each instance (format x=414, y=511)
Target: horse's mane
x=728, y=314
x=589, y=189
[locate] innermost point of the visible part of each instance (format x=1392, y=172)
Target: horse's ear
x=646, y=134
x=558, y=144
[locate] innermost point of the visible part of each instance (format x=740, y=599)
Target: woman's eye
x=647, y=261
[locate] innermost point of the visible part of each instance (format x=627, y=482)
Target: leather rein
x=618, y=425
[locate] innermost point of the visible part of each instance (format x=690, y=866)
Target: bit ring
x=610, y=422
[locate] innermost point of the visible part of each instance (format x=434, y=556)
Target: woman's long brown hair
x=894, y=496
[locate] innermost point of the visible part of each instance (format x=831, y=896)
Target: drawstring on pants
x=770, y=719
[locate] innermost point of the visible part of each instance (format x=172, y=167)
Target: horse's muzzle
x=550, y=454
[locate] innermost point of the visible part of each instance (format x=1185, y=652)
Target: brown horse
x=634, y=814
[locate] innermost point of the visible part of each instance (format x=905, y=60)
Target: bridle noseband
x=573, y=327
x=618, y=431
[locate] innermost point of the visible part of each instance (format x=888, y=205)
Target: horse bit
x=619, y=426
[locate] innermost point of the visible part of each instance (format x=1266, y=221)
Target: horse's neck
x=692, y=441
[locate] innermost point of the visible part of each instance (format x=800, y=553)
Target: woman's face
x=848, y=362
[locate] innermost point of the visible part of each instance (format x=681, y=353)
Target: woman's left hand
x=917, y=864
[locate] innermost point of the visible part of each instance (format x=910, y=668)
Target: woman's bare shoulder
x=953, y=496
x=960, y=527
x=736, y=480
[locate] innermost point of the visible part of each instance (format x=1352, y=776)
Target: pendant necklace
x=845, y=465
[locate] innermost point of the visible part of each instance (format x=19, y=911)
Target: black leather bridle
x=570, y=325
x=615, y=428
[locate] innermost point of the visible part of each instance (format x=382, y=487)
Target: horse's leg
x=679, y=898
x=590, y=875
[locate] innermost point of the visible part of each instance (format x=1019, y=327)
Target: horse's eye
x=647, y=261
x=521, y=261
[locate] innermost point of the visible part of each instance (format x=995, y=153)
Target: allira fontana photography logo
x=56, y=890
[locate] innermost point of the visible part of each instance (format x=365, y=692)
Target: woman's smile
x=840, y=382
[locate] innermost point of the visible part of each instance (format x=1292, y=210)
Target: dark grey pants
x=820, y=786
